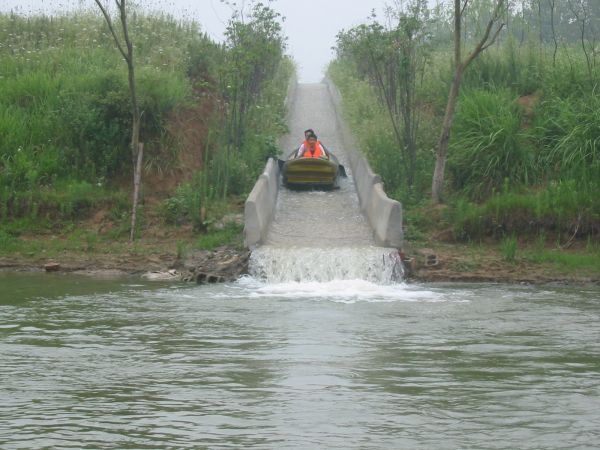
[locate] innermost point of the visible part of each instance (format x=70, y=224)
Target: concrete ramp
x=357, y=215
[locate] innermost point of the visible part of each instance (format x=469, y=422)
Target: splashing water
x=308, y=264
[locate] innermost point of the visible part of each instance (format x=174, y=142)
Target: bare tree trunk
x=136, y=147
x=540, y=24
x=442, y=153
x=552, y=11
x=459, y=68
x=582, y=18
x=137, y=177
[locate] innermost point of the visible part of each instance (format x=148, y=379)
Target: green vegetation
x=508, y=247
x=230, y=234
x=211, y=115
x=524, y=155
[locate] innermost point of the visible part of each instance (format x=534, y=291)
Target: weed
x=508, y=248
x=181, y=250
x=230, y=235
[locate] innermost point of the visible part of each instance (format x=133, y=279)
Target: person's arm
x=300, y=151
x=294, y=153
x=324, y=151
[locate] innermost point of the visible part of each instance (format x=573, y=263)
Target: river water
x=255, y=364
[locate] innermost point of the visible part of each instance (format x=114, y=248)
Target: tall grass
x=64, y=99
x=525, y=143
x=488, y=145
x=560, y=207
x=568, y=130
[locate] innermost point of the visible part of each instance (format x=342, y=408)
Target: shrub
x=508, y=248
x=487, y=146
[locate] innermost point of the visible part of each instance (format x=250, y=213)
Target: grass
x=65, y=120
x=508, y=248
x=64, y=103
x=231, y=234
x=571, y=262
x=516, y=165
x=561, y=206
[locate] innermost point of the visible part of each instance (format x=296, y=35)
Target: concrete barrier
x=260, y=205
x=384, y=214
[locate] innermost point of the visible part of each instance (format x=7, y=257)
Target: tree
x=460, y=65
x=583, y=15
x=255, y=46
x=137, y=148
x=393, y=58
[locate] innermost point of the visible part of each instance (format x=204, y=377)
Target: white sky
x=310, y=25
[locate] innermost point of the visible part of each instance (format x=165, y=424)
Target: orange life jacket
x=308, y=154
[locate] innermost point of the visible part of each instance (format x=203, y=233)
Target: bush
x=568, y=130
x=561, y=206
x=487, y=145
x=231, y=234
x=508, y=248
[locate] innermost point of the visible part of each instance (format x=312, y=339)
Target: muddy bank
x=434, y=263
x=221, y=264
x=460, y=263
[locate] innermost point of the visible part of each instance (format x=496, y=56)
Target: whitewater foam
x=309, y=264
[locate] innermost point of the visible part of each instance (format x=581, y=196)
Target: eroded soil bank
x=225, y=263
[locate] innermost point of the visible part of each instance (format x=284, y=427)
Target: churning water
x=309, y=264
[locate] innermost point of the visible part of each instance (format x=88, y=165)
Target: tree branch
x=494, y=37
x=123, y=16
x=464, y=6
x=483, y=43
x=112, y=29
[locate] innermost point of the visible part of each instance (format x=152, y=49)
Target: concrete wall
x=384, y=214
x=260, y=204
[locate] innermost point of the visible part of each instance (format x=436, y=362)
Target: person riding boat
x=312, y=147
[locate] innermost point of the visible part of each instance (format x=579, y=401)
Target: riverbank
x=443, y=262
x=180, y=259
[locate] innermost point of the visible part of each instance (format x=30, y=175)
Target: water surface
x=341, y=364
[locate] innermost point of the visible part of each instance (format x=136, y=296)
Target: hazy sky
x=311, y=25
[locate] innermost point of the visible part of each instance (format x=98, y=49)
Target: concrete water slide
x=357, y=214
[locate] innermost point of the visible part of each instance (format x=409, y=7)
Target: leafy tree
x=393, y=58
x=460, y=66
x=255, y=46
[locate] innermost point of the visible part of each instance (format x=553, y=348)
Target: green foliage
x=519, y=69
x=577, y=262
x=524, y=151
x=560, y=206
x=64, y=102
x=392, y=59
x=230, y=235
x=186, y=205
x=65, y=115
x=66, y=200
x=508, y=248
x=487, y=146
x=568, y=130
x=371, y=125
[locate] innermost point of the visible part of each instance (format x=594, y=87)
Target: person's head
x=311, y=138
x=308, y=132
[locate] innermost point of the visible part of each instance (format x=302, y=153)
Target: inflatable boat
x=311, y=173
